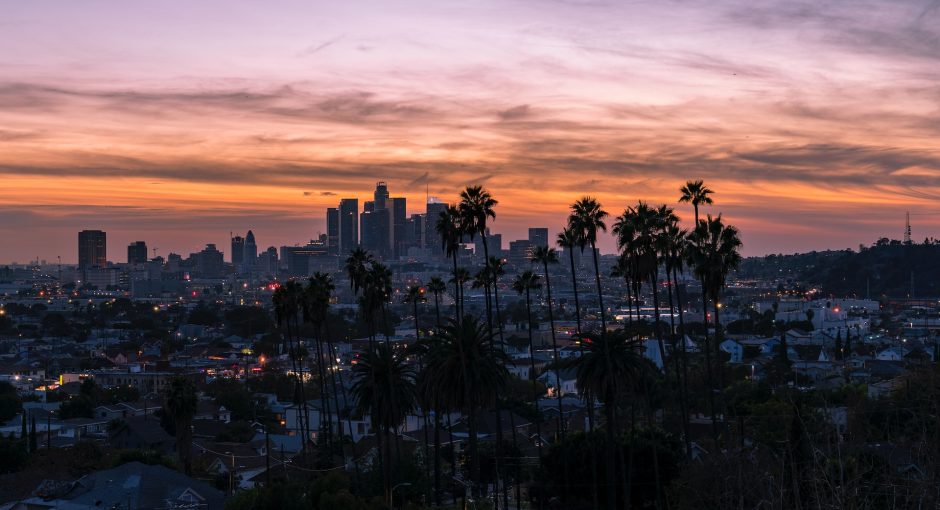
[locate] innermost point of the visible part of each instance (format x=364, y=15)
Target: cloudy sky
x=817, y=123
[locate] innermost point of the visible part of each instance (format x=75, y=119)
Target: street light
x=392, y=493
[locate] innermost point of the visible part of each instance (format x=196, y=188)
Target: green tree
x=468, y=373
x=10, y=403
x=180, y=405
x=609, y=366
x=384, y=387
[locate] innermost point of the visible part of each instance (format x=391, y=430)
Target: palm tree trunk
x=437, y=453
x=681, y=360
x=654, y=282
x=551, y=321
x=708, y=370
x=574, y=287
x=654, y=445
x=535, y=391
x=457, y=287
x=611, y=452
x=489, y=327
x=424, y=412
x=437, y=309
x=600, y=292
x=325, y=424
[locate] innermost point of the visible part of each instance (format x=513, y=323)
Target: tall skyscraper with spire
x=251, y=251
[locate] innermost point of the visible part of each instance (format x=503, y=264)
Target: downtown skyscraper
x=92, y=249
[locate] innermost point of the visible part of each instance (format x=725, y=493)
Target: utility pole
x=267, y=457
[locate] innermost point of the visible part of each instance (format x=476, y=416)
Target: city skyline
x=119, y=240
x=815, y=124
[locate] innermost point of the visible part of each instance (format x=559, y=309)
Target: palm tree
x=450, y=228
x=545, y=255
x=587, y=218
x=675, y=249
x=376, y=290
x=497, y=269
x=437, y=287
x=357, y=264
x=609, y=365
x=315, y=307
x=713, y=254
x=320, y=289
x=695, y=193
x=476, y=208
x=384, y=386
x=288, y=299
x=568, y=239
x=524, y=284
x=468, y=373
x=716, y=253
x=180, y=405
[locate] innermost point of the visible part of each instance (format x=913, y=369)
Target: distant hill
x=884, y=269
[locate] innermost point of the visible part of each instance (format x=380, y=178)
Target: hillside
x=883, y=269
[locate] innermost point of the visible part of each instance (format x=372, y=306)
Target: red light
x=194, y=293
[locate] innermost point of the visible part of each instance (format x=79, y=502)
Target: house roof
x=141, y=486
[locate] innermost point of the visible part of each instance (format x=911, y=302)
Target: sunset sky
x=816, y=123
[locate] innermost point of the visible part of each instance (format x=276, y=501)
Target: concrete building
x=137, y=252
x=92, y=249
x=348, y=225
x=538, y=236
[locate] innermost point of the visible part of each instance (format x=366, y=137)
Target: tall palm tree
x=569, y=239
x=676, y=248
x=415, y=295
x=609, y=366
x=497, y=269
x=437, y=287
x=587, y=218
x=545, y=255
x=450, y=227
x=468, y=372
x=695, y=193
x=288, y=299
x=180, y=404
x=716, y=253
x=639, y=232
x=524, y=284
x=384, y=386
x=476, y=208
x=315, y=307
x=320, y=291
